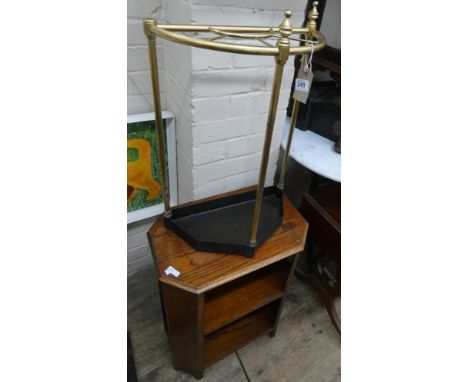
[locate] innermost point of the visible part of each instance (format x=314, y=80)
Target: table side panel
x=184, y=313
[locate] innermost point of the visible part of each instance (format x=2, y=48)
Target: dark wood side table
x=220, y=302
x=322, y=209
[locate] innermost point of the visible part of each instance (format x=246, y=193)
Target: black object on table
x=208, y=226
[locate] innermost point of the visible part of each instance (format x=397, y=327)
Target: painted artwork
x=143, y=167
x=144, y=191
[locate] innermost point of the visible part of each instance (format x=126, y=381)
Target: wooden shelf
x=240, y=297
x=239, y=333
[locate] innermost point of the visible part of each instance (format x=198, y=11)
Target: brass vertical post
x=283, y=47
x=311, y=25
x=157, y=111
x=288, y=144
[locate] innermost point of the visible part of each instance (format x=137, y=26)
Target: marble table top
x=314, y=152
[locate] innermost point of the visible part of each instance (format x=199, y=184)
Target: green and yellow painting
x=143, y=167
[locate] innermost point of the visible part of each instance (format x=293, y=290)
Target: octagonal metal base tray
x=224, y=224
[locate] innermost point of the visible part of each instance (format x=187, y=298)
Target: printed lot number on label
x=302, y=85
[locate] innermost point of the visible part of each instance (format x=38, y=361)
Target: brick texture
x=138, y=251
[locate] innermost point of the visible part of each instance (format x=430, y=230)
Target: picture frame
x=144, y=196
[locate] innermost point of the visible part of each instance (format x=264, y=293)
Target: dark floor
x=306, y=346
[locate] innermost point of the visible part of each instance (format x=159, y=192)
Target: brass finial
x=285, y=26
x=285, y=29
x=313, y=16
x=147, y=23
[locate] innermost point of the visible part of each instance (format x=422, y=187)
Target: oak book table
x=219, y=303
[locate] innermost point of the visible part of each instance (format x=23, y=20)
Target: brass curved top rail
x=281, y=53
x=167, y=32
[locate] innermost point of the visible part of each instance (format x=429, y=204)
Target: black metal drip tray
x=223, y=225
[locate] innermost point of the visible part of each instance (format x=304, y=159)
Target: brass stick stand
x=281, y=52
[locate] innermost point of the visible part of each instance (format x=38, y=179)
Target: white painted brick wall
x=138, y=251
x=220, y=100
x=249, y=104
x=139, y=97
x=211, y=131
x=274, y=5
x=231, y=95
x=210, y=109
x=230, y=81
x=203, y=59
x=179, y=99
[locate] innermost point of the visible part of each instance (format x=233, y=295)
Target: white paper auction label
x=302, y=85
x=171, y=271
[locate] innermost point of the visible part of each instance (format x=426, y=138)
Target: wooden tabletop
x=202, y=271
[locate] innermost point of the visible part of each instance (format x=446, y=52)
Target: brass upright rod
x=283, y=46
x=311, y=28
x=288, y=144
x=278, y=76
x=158, y=114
